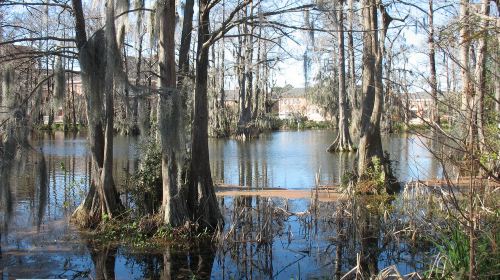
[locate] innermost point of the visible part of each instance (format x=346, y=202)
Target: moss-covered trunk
x=98, y=71
x=170, y=122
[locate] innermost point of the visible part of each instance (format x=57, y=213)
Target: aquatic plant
x=452, y=261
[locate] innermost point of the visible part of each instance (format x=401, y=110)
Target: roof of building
x=233, y=94
x=293, y=93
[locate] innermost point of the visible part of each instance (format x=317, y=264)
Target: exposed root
x=83, y=218
x=247, y=132
x=340, y=146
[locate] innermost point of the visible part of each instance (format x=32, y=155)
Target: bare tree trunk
x=240, y=73
x=497, y=75
x=257, y=84
x=481, y=76
x=265, y=80
x=464, y=56
x=246, y=83
x=170, y=121
x=222, y=125
x=138, y=67
x=343, y=141
x=389, y=91
x=434, y=115
x=468, y=124
x=202, y=202
x=370, y=144
x=187, y=30
x=73, y=111
x=351, y=66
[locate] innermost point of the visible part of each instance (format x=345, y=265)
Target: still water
x=41, y=188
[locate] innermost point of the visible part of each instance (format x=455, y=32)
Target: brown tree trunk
x=370, y=144
x=202, y=202
x=187, y=30
x=343, y=141
x=170, y=121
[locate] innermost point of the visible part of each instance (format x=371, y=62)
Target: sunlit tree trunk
x=343, y=141
x=246, y=79
x=170, y=121
x=434, y=114
x=467, y=90
x=351, y=66
x=370, y=144
x=202, y=201
x=481, y=75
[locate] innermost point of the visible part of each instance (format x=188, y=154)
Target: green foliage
x=347, y=178
x=146, y=183
x=148, y=232
x=303, y=123
x=60, y=127
x=453, y=244
x=378, y=178
x=376, y=171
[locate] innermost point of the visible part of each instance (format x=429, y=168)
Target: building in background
x=294, y=104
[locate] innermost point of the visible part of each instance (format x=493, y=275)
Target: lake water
x=38, y=192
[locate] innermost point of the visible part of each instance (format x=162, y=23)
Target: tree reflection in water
x=266, y=238
x=172, y=263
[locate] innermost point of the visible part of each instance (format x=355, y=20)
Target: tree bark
x=202, y=202
x=354, y=113
x=246, y=84
x=343, y=141
x=467, y=90
x=434, y=118
x=370, y=144
x=187, y=30
x=170, y=121
x=481, y=75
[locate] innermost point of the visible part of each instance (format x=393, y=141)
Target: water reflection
x=42, y=189
x=265, y=238
x=111, y=262
x=291, y=159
